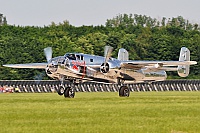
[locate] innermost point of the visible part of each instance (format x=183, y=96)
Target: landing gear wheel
x=61, y=90
x=124, y=91
x=69, y=93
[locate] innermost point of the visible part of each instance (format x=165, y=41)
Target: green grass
x=102, y=112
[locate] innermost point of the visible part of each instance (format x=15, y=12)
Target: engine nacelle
x=155, y=76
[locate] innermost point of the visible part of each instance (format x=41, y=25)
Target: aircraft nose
x=54, y=63
x=52, y=66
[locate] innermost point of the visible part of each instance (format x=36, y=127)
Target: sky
x=93, y=12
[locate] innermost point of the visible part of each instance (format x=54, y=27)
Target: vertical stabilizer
x=184, y=70
x=123, y=55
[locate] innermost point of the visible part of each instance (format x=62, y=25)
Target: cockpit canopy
x=73, y=56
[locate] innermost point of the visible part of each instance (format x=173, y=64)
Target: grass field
x=103, y=112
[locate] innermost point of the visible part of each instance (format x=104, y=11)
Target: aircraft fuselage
x=90, y=67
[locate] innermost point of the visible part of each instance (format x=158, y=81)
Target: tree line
x=3, y=20
x=144, y=37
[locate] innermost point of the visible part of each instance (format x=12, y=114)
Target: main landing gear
x=68, y=92
x=124, y=91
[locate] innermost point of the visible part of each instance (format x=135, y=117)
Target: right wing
x=28, y=65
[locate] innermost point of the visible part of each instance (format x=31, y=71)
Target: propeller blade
x=107, y=53
x=48, y=53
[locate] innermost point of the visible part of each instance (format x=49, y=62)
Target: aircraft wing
x=29, y=65
x=136, y=65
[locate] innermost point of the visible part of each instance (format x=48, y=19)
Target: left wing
x=182, y=67
x=136, y=65
x=153, y=63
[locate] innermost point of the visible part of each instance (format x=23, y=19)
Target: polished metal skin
x=89, y=67
x=80, y=67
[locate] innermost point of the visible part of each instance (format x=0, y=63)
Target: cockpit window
x=78, y=57
x=71, y=56
x=82, y=58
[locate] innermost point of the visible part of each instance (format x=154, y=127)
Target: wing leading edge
x=28, y=65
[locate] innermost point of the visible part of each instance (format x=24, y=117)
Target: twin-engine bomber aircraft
x=78, y=67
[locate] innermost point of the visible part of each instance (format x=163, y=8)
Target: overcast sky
x=93, y=12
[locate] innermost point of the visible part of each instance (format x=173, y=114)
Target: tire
x=69, y=93
x=61, y=90
x=124, y=91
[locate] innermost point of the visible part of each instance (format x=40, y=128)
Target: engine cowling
x=52, y=67
x=104, y=68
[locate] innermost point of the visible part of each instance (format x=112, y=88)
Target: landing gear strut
x=124, y=91
x=68, y=92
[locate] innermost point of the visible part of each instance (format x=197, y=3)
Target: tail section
x=123, y=55
x=184, y=70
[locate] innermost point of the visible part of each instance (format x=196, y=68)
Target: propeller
x=48, y=53
x=52, y=66
x=107, y=54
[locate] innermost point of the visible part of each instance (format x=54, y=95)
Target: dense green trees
x=144, y=37
x=3, y=20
